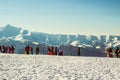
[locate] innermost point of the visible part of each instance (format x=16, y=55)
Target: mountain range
x=11, y=35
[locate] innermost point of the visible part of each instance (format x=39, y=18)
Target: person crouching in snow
x=108, y=52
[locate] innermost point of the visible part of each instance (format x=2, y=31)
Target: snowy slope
x=43, y=67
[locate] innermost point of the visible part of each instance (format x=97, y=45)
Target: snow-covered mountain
x=19, y=34
x=12, y=35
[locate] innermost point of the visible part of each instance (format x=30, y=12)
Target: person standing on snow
x=117, y=51
x=50, y=50
x=31, y=50
x=12, y=49
x=0, y=48
x=108, y=52
x=78, y=51
x=37, y=50
x=3, y=49
x=27, y=49
x=56, y=50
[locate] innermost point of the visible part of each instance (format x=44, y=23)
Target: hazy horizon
x=87, y=17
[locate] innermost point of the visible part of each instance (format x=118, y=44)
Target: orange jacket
x=50, y=53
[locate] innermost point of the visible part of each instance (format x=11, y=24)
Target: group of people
x=6, y=49
x=29, y=50
x=51, y=50
x=58, y=51
x=112, y=53
x=54, y=51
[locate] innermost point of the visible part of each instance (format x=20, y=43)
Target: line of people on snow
x=58, y=51
x=6, y=49
x=52, y=50
x=29, y=50
x=55, y=51
x=112, y=53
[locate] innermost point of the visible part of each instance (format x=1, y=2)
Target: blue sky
x=90, y=17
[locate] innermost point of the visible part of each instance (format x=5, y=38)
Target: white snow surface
x=45, y=67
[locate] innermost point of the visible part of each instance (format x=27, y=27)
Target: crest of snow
x=99, y=37
x=19, y=37
x=115, y=39
x=107, y=38
x=86, y=45
x=47, y=39
x=29, y=33
x=68, y=39
x=109, y=44
x=74, y=43
x=77, y=36
x=3, y=40
x=117, y=44
x=97, y=47
x=88, y=37
x=35, y=43
x=81, y=46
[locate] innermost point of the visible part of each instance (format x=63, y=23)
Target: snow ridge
x=19, y=34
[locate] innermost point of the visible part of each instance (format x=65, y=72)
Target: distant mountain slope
x=19, y=34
